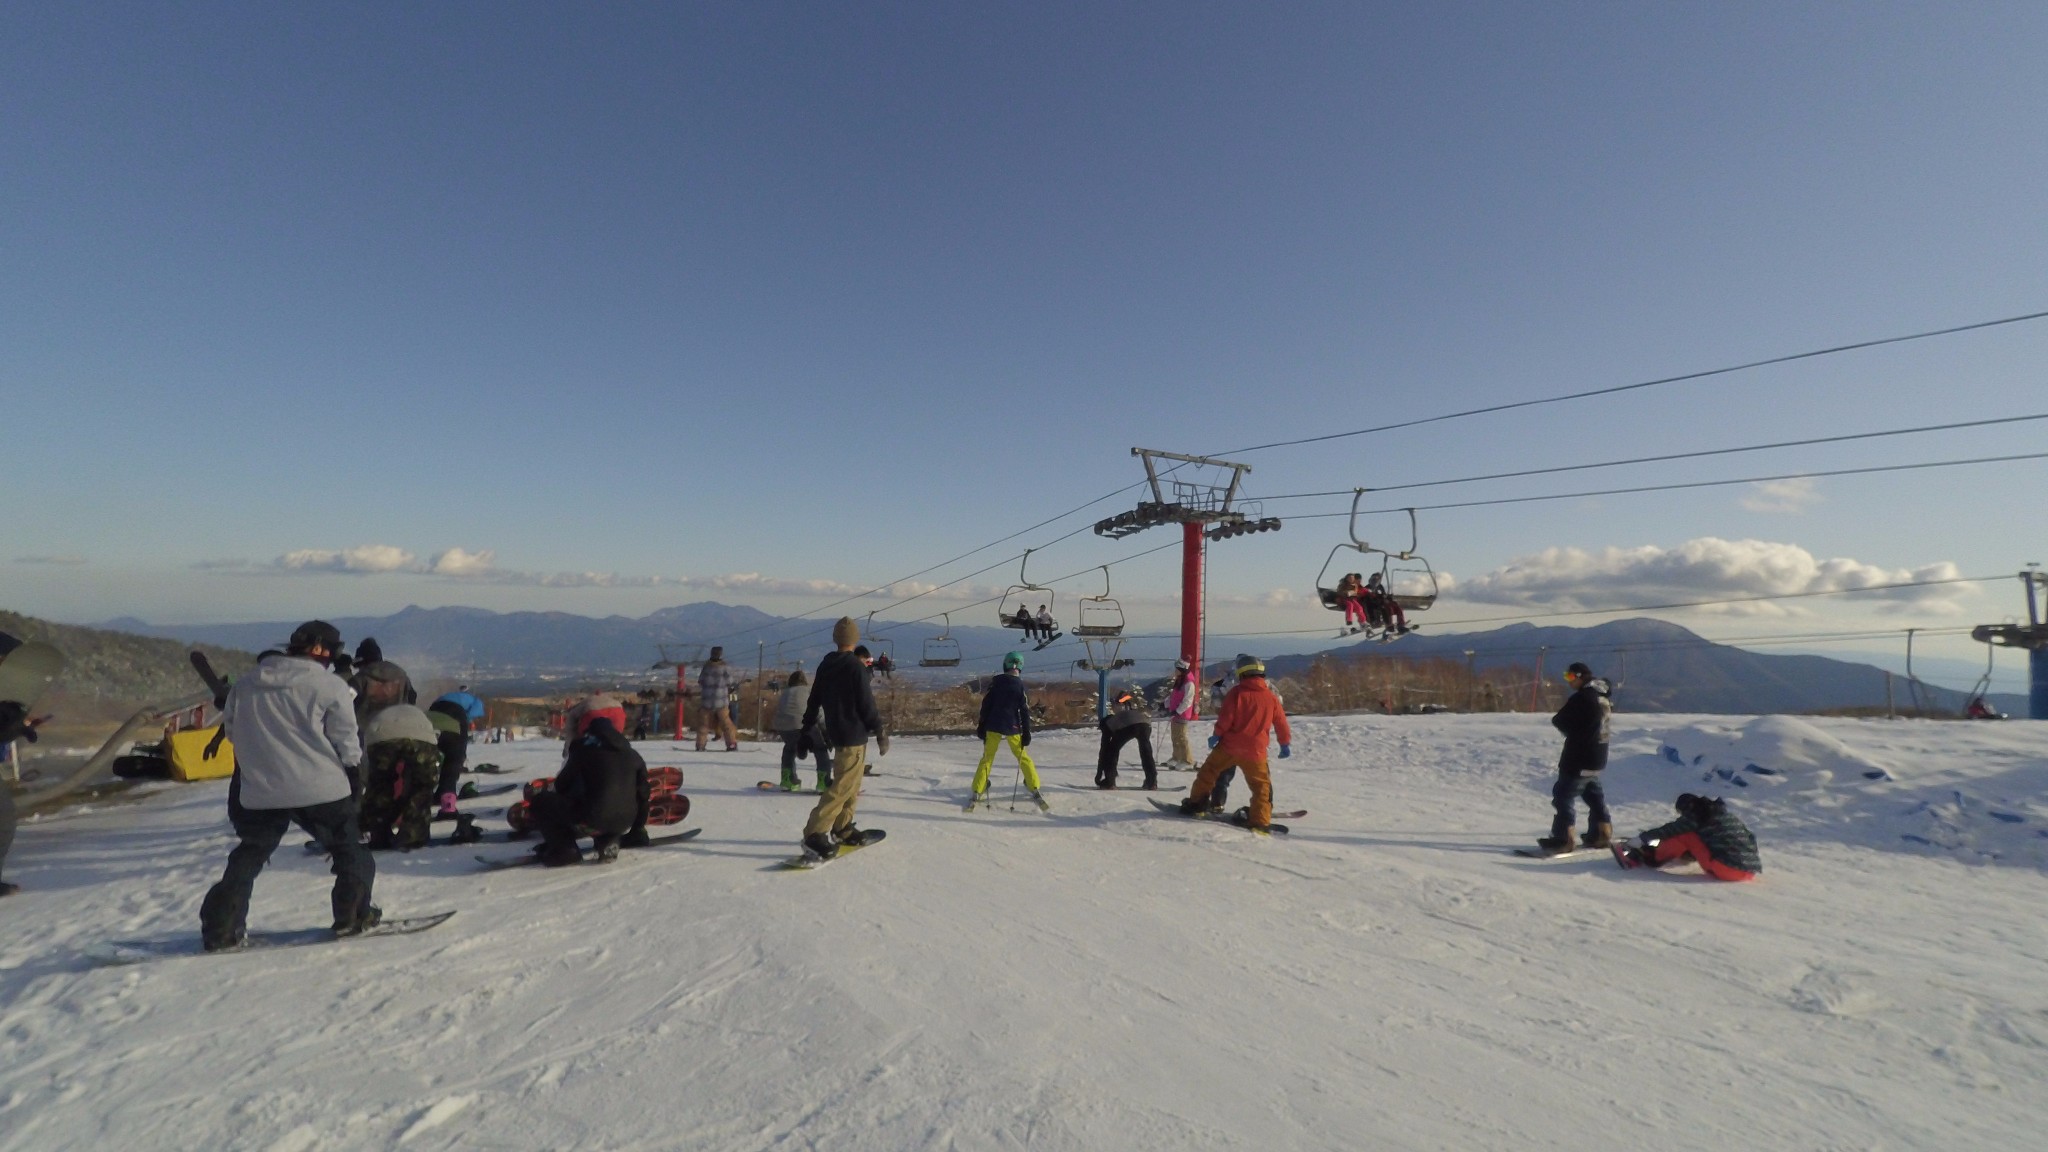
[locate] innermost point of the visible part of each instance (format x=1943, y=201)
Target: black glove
x=1027, y=740
x=220, y=735
x=355, y=782
x=881, y=743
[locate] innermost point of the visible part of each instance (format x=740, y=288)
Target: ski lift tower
x=2033, y=636
x=1205, y=511
x=679, y=657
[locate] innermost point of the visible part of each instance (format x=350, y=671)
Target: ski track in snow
x=1105, y=978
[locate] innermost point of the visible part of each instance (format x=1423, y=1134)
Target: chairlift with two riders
x=1405, y=575
x=1020, y=594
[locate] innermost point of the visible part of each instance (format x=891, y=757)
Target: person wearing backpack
x=1585, y=720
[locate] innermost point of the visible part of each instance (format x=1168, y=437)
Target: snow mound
x=1770, y=750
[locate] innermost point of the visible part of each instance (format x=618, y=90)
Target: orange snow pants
x=1254, y=774
x=1690, y=844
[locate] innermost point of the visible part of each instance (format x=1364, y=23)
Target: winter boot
x=1599, y=836
x=371, y=917
x=466, y=831
x=847, y=835
x=636, y=837
x=7, y=889
x=1193, y=806
x=607, y=849
x=821, y=845
x=1556, y=845
x=467, y=791
x=824, y=781
x=559, y=855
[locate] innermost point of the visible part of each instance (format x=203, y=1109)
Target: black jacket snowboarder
x=602, y=787
x=841, y=697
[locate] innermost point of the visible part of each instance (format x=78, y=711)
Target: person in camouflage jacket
x=1707, y=832
x=401, y=785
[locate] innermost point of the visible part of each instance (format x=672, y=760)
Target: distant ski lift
x=881, y=648
x=1099, y=616
x=941, y=651
x=1406, y=574
x=1018, y=599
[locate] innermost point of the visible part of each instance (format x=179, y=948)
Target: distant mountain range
x=1662, y=667
x=1659, y=666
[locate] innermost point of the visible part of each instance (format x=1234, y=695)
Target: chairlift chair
x=941, y=651
x=880, y=648
x=1099, y=616
x=1020, y=593
x=1406, y=575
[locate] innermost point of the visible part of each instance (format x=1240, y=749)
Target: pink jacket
x=1180, y=703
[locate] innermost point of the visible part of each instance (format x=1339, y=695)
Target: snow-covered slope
x=1105, y=978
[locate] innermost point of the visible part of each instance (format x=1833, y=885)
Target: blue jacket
x=1004, y=709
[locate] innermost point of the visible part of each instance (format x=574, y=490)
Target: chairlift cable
x=1618, y=388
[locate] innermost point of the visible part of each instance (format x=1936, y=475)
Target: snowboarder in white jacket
x=297, y=761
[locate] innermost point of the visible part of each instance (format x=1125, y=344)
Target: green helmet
x=1013, y=662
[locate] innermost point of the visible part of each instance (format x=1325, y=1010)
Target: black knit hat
x=315, y=633
x=1578, y=669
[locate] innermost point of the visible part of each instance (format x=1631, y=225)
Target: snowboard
x=1540, y=854
x=137, y=951
x=1241, y=817
x=1112, y=788
x=491, y=865
x=772, y=786
x=493, y=790
x=215, y=682
x=487, y=769
x=26, y=672
x=808, y=862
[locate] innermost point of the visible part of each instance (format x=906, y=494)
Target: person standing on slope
x=715, y=685
x=1127, y=719
x=1180, y=706
x=1005, y=719
x=843, y=700
x=1706, y=831
x=15, y=724
x=1586, y=723
x=1251, y=712
x=297, y=761
x=796, y=743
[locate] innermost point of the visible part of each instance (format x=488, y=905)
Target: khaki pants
x=1181, y=754
x=717, y=720
x=1254, y=774
x=834, y=812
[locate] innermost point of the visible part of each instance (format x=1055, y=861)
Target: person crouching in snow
x=1251, y=712
x=1005, y=719
x=1585, y=721
x=604, y=788
x=1707, y=832
x=1127, y=720
x=402, y=758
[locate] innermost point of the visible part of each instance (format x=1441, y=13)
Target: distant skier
x=842, y=700
x=1251, y=713
x=788, y=723
x=1707, y=832
x=15, y=724
x=1128, y=719
x=402, y=770
x=715, y=684
x=643, y=722
x=1005, y=719
x=1181, y=699
x=602, y=787
x=297, y=758
x=1586, y=722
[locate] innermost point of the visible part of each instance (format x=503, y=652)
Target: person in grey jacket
x=716, y=684
x=797, y=743
x=297, y=761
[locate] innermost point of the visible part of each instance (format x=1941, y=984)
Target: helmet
x=1013, y=662
x=1249, y=666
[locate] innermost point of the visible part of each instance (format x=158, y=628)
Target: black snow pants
x=223, y=916
x=558, y=822
x=6, y=824
x=454, y=756
x=793, y=752
x=1112, y=748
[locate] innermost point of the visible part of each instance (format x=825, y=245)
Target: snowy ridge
x=1109, y=978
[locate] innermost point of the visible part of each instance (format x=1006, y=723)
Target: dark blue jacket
x=1005, y=710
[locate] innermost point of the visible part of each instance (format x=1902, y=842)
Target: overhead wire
x=1642, y=384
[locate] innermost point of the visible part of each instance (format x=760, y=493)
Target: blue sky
x=744, y=297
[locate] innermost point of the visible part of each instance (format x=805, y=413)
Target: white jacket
x=294, y=727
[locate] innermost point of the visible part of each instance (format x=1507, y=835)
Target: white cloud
x=457, y=562
x=52, y=561
x=1785, y=496
x=1571, y=578
x=361, y=559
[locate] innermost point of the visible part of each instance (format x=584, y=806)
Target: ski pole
x=1014, y=784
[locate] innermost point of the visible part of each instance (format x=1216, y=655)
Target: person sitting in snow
x=1585, y=721
x=604, y=788
x=1707, y=832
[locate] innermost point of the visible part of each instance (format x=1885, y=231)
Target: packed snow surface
x=1108, y=977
